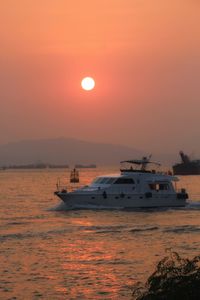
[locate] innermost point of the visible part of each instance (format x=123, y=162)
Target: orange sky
x=144, y=56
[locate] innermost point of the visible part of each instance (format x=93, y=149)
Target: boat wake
x=59, y=207
x=193, y=205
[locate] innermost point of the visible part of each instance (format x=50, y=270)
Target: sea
x=49, y=252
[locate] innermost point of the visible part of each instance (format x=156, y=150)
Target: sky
x=144, y=56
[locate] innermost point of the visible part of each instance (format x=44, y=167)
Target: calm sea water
x=48, y=252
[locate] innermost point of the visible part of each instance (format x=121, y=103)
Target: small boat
x=74, y=176
x=135, y=187
x=187, y=166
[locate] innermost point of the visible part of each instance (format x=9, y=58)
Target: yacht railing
x=66, y=188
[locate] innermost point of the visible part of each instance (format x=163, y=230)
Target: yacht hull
x=120, y=201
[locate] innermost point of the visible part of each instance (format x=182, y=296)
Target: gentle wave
x=101, y=261
x=17, y=223
x=151, y=228
x=182, y=229
x=21, y=236
x=68, y=229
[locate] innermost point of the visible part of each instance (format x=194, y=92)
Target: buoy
x=74, y=176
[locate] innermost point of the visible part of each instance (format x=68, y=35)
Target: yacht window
x=104, y=180
x=123, y=180
x=152, y=186
x=97, y=180
x=159, y=186
x=101, y=180
x=110, y=180
x=163, y=186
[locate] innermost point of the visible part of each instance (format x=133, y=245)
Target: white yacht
x=132, y=188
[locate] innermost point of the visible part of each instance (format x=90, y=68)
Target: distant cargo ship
x=187, y=166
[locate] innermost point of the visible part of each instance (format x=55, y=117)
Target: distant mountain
x=72, y=151
x=64, y=151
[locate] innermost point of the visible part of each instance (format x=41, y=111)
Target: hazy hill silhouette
x=64, y=151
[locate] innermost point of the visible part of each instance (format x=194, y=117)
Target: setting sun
x=88, y=83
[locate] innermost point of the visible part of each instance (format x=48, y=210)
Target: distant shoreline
x=46, y=166
x=32, y=166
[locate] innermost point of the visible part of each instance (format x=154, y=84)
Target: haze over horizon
x=144, y=57
x=73, y=151
x=140, y=152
